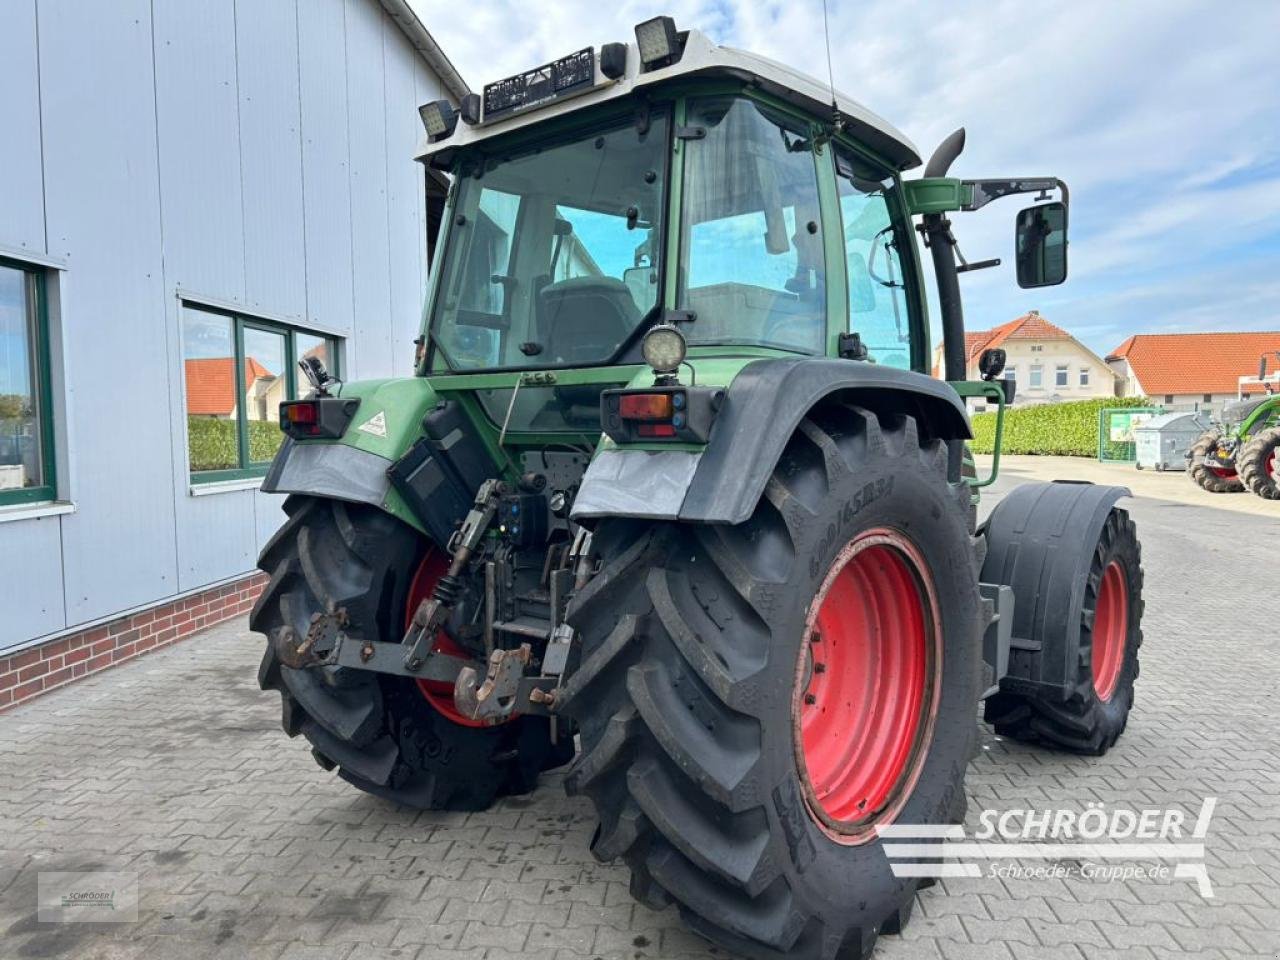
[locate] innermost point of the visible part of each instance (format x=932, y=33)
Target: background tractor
x=672, y=490
x=1240, y=451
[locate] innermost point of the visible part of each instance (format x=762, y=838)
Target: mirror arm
x=983, y=192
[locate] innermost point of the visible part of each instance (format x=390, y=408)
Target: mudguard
x=1040, y=542
x=354, y=468
x=763, y=406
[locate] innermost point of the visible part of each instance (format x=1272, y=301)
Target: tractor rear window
x=751, y=238
x=552, y=257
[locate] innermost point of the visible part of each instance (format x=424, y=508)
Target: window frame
x=36, y=281
x=248, y=469
x=904, y=249
x=1036, y=373
x=1086, y=376
x=1062, y=372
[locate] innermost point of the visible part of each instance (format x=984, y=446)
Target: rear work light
x=669, y=413
x=317, y=418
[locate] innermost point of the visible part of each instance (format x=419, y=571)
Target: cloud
x=1163, y=117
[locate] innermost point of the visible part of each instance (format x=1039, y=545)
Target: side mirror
x=1040, y=245
x=991, y=363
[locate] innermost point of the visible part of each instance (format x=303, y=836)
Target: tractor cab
x=703, y=187
x=679, y=184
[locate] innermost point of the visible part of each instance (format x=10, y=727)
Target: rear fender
x=764, y=404
x=1040, y=542
x=354, y=468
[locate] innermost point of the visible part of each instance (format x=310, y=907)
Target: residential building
x=1048, y=364
x=195, y=195
x=1188, y=370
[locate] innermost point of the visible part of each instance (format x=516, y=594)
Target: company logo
x=87, y=897
x=1097, y=844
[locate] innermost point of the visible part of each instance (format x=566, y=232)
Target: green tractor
x=1240, y=451
x=672, y=497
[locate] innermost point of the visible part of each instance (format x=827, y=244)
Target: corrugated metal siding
x=258, y=153
x=103, y=213
x=21, y=188
x=322, y=75
x=370, y=254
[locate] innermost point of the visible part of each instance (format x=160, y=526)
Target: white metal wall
x=253, y=152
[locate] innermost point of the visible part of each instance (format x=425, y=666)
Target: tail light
x=667, y=413
x=317, y=418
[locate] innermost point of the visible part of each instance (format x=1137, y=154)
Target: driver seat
x=585, y=319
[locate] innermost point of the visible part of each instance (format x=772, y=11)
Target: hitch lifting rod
x=434, y=611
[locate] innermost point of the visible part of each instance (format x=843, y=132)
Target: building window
x=1060, y=375
x=237, y=370
x=26, y=421
x=1084, y=376
x=1011, y=373
x=1208, y=398
x=1037, y=376
x=1168, y=398
x=1037, y=348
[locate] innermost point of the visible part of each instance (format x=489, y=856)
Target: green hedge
x=1049, y=429
x=212, y=443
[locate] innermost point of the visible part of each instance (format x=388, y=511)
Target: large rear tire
x=381, y=732
x=1259, y=463
x=1104, y=652
x=712, y=655
x=1209, y=476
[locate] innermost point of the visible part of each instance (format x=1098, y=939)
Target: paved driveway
x=173, y=767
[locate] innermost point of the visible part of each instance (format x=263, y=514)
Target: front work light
x=664, y=348
x=657, y=41
x=439, y=118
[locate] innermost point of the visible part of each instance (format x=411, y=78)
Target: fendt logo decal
x=1061, y=844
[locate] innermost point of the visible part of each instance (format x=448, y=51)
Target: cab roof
x=703, y=59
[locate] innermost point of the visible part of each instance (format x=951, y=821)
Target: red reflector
x=302, y=412
x=655, y=430
x=645, y=406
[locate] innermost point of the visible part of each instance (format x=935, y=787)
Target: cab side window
x=877, y=287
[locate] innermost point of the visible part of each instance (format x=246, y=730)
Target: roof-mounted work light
x=439, y=118
x=658, y=42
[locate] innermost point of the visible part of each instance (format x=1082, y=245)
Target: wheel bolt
x=819, y=668
x=810, y=699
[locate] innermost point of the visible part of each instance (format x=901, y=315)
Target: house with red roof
x=1047, y=363
x=1191, y=369
x=211, y=389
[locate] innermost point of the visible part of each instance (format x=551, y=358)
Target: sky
x=1162, y=117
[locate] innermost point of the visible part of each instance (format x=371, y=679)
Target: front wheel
x=1260, y=464
x=1100, y=654
x=755, y=701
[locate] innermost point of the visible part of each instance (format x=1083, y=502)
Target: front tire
x=1260, y=464
x=692, y=692
x=1103, y=651
x=381, y=732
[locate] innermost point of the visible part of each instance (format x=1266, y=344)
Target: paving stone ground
x=174, y=767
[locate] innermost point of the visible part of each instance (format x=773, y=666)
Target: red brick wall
x=38, y=669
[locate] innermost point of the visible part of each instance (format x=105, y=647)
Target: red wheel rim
x=437, y=692
x=1110, y=628
x=1222, y=473
x=1270, y=468
x=867, y=685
